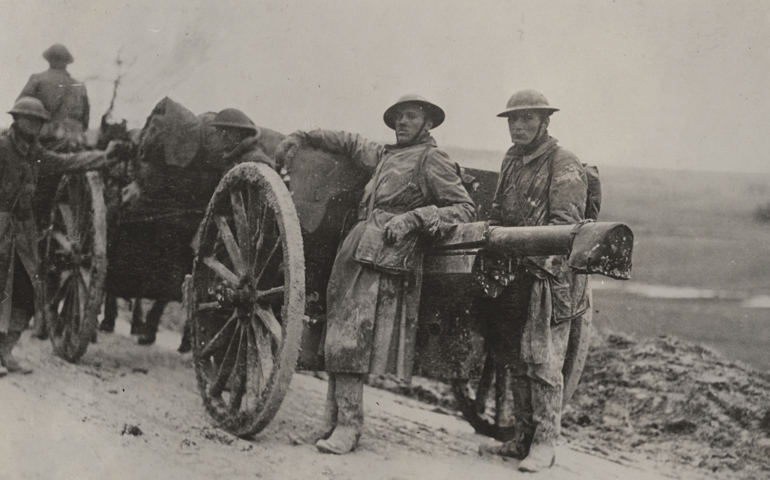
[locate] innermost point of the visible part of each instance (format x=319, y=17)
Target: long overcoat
x=546, y=185
x=365, y=306
x=20, y=166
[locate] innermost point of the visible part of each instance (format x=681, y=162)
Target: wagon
x=255, y=290
x=263, y=255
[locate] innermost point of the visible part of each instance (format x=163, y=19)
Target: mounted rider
x=65, y=99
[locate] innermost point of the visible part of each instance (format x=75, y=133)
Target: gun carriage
x=255, y=295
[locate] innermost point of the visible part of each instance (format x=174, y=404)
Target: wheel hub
x=240, y=297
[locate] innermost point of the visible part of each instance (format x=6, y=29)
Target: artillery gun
x=264, y=251
x=255, y=297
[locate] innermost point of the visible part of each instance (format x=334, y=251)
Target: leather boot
x=349, y=394
x=330, y=413
x=3, y=371
x=7, y=342
x=546, y=413
x=518, y=446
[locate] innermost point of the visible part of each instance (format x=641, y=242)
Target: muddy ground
x=646, y=409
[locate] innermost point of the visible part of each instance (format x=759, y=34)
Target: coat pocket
x=374, y=252
x=569, y=298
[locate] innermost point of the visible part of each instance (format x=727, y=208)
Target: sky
x=681, y=84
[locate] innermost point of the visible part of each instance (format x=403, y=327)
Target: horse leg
x=137, y=323
x=186, y=344
x=110, y=313
x=152, y=322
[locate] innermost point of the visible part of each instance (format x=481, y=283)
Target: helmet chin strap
x=417, y=135
x=540, y=133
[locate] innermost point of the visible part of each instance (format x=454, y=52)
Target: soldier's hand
x=284, y=153
x=118, y=149
x=130, y=192
x=400, y=226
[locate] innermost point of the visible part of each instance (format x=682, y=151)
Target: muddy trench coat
x=364, y=306
x=545, y=186
x=20, y=166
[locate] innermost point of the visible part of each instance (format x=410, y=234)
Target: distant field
x=691, y=228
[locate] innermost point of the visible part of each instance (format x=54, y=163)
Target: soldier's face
x=29, y=126
x=525, y=125
x=231, y=137
x=409, y=119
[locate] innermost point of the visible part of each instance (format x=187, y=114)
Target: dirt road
x=129, y=412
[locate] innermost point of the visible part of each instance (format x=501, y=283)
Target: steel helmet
x=58, y=52
x=527, y=100
x=30, y=107
x=233, y=118
x=433, y=112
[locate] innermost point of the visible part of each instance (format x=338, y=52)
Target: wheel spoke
x=258, y=277
x=268, y=319
x=232, y=247
x=485, y=382
x=257, y=214
x=242, y=227
x=85, y=274
x=223, y=272
x=221, y=338
x=69, y=221
x=71, y=313
x=257, y=209
x=264, y=350
x=63, y=241
x=253, y=370
x=63, y=327
x=271, y=295
x=226, y=367
x=82, y=297
x=62, y=290
x=239, y=379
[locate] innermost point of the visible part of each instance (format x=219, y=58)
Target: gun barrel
x=594, y=247
x=530, y=241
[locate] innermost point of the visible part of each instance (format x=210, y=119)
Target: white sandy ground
x=65, y=422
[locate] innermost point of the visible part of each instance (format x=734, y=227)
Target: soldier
x=540, y=184
x=179, y=189
x=414, y=193
x=65, y=99
x=22, y=160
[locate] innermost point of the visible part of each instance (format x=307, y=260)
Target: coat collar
x=544, y=147
x=426, y=141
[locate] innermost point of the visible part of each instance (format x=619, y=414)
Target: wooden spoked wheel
x=246, y=298
x=75, y=263
x=481, y=401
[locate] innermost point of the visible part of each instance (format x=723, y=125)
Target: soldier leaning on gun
x=363, y=302
x=540, y=184
x=22, y=160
